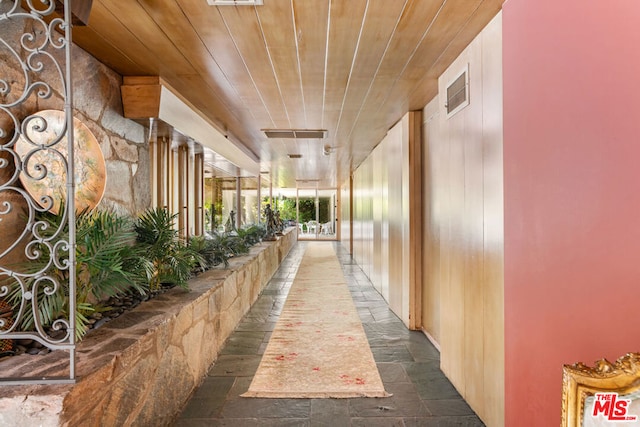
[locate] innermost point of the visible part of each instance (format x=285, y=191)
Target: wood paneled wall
x=463, y=288
x=397, y=285
x=383, y=238
x=460, y=247
x=346, y=208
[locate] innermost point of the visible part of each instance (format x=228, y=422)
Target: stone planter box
x=141, y=368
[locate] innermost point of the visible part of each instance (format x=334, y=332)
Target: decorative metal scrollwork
x=37, y=255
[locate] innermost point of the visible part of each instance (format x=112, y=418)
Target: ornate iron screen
x=37, y=255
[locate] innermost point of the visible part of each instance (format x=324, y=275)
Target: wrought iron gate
x=37, y=255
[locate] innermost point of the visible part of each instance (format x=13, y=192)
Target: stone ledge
x=140, y=368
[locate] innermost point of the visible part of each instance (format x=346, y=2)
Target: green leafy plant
x=107, y=264
x=252, y=234
x=172, y=259
x=207, y=249
x=116, y=256
x=234, y=244
x=225, y=246
x=216, y=249
x=108, y=257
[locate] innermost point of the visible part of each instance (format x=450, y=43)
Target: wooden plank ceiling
x=353, y=67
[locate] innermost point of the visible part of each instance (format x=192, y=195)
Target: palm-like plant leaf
x=107, y=246
x=172, y=259
x=107, y=264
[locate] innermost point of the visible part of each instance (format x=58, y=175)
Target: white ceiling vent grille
x=458, y=93
x=235, y=2
x=295, y=133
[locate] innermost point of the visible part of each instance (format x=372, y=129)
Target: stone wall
x=141, y=368
x=123, y=142
x=98, y=104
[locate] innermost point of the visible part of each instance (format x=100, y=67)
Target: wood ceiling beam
x=145, y=97
x=141, y=97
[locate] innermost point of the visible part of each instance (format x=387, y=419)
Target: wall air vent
x=295, y=156
x=296, y=133
x=458, y=93
x=235, y=2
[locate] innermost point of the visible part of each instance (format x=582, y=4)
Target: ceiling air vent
x=295, y=156
x=275, y=133
x=458, y=93
x=235, y=2
x=295, y=133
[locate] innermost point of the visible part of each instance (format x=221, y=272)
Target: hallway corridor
x=408, y=365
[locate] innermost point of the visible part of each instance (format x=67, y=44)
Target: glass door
x=316, y=214
x=307, y=214
x=327, y=208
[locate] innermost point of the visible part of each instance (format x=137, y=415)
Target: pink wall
x=572, y=194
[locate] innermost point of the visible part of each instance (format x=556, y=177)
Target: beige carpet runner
x=318, y=348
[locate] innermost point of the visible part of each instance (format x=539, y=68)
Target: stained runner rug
x=318, y=348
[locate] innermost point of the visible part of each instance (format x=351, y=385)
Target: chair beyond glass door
x=307, y=213
x=327, y=209
x=316, y=214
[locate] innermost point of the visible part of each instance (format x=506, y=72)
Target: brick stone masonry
x=141, y=368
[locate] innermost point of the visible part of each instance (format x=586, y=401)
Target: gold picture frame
x=580, y=383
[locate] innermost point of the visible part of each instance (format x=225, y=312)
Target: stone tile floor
x=407, y=361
